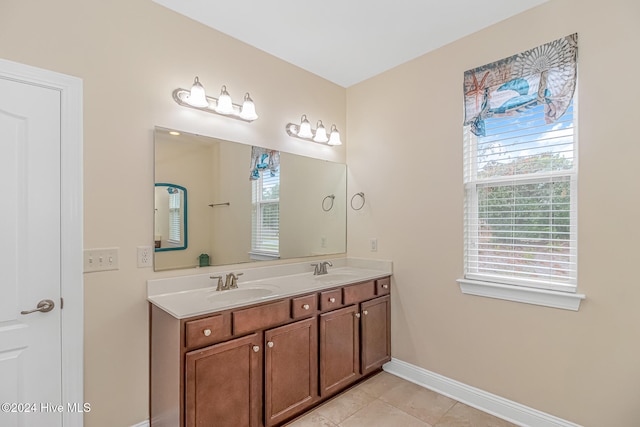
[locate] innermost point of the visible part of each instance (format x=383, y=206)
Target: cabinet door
x=223, y=385
x=291, y=370
x=339, y=349
x=376, y=333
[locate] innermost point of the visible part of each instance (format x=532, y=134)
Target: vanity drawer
x=202, y=332
x=383, y=286
x=330, y=299
x=304, y=306
x=260, y=317
x=361, y=292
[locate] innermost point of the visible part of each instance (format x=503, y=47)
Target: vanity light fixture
x=319, y=135
x=223, y=105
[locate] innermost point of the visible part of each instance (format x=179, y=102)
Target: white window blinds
x=265, y=233
x=520, y=169
x=174, y=217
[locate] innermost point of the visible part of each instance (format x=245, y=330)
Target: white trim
x=544, y=297
x=500, y=407
x=71, y=211
x=142, y=424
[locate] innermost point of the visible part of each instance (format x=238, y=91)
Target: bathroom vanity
x=281, y=346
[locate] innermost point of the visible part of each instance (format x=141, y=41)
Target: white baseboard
x=490, y=403
x=142, y=424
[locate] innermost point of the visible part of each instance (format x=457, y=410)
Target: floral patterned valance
x=543, y=75
x=263, y=159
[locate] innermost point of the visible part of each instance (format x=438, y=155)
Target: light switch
x=100, y=259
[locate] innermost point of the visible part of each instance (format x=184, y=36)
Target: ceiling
x=348, y=41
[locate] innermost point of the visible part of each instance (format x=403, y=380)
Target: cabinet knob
x=358, y=315
x=270, y=344
x=365, y=312
x=256, y=348
x=206, y=332
x=332, y=300
x=306, y=306
x=385, y=286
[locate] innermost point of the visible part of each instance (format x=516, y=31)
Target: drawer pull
x=306, y=306
x=256, y=348
x=207, y=332
x=365, y=312
x=358, y=315
x=332, y=300
x=385, y=286
x=270, y=344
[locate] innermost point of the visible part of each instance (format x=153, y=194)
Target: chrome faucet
x=321, y=267
x=231, y=282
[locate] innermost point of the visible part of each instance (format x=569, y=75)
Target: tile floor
x=388, y=401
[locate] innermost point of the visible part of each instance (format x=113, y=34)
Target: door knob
x=270, y=344
x=256, y=348
x=43, y=306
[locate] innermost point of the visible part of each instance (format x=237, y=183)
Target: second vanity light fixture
x=304, y=131
x=196, y=98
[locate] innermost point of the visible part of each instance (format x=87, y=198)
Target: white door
x=30, y=256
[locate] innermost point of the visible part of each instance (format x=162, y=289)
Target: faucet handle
x=232, y=280
x=316, y=268
x=220, y=284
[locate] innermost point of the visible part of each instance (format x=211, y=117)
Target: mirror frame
x=185, y=211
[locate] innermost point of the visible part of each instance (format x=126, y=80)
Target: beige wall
x=131, y=54
x=584, y=366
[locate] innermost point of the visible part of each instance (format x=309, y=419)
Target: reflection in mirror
x=171, y=217
x=238, y=215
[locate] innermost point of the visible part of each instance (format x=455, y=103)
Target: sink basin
x=239, y=295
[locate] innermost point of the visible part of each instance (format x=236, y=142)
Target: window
x=175, y=219
x=520, y=174
x=520, y=193
x=265, y=235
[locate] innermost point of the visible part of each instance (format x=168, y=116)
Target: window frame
x=550, y=294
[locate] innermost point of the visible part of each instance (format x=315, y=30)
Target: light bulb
x=305, y=128
x=197, y=97
x=224, y=105
x=248, y=111
x=321, y=133
x=334, y=136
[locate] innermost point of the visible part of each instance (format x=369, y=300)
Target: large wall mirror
x=246, y=203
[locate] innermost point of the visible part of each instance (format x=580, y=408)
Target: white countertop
x=193, y=295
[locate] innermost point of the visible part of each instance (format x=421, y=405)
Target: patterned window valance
x=542, y=75
x=263, y=159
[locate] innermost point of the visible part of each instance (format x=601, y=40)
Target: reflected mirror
x=246, y=203
x=171, y=217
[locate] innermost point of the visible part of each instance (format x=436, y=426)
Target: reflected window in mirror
x=265, y=227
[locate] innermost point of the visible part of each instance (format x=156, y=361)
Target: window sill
x=547, y=298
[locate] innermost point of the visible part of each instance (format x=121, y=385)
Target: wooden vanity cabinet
x=356, y=340
x=339, y=349
x=223, y=384
x=375, y=318
x=264, y=364
x=291, y=370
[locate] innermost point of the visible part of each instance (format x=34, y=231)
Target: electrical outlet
x=373, y=244
x=100, y=259
x=145, y=256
